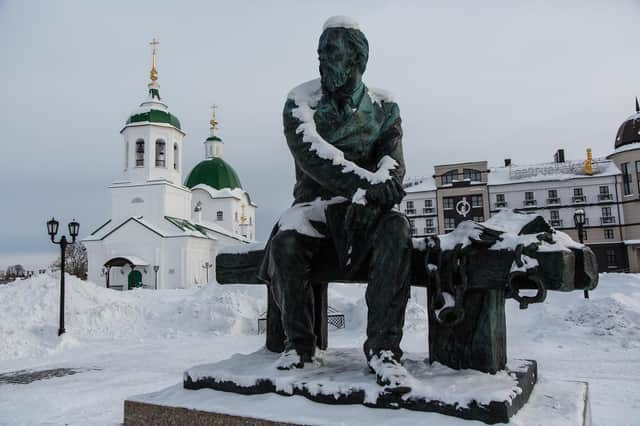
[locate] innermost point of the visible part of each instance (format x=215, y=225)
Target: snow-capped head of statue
x=343, y=52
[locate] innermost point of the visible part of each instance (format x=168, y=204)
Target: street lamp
x=206, y=266
x=52, y=230
x=156, y=268
x=579, y=220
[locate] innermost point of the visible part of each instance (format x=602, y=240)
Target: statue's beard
x=334, y=80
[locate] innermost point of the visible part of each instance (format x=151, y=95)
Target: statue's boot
x=291, y=359
x=390, y=373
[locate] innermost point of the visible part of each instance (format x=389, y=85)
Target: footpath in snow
x=140, y=341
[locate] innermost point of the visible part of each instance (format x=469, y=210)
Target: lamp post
x=156, y=268
x=206, y=266
x=579, y=220
x=52, y=229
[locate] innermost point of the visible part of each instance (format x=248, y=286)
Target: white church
x=164, y=233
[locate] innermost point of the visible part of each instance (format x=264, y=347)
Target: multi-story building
x=607, y=189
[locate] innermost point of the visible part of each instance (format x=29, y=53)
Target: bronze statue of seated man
x=346, y=141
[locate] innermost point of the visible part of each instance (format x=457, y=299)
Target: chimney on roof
x=558, y=157
x=507, y=162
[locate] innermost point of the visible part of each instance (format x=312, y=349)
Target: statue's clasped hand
x=386, y=194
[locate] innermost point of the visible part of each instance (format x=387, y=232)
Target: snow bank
x=29, y=317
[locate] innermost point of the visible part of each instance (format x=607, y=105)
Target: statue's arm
x=340, y=176
x=389, y=144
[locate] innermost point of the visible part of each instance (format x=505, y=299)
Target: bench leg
x=320, y=303
x=479, y=341
x=275, y=332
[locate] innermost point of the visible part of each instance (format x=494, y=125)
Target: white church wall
x=152, y=201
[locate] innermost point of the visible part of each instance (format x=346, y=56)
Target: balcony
x=556, y=223
x=529, y=203
x=605, y=197
x=428, y=210
x=500, y=204
x=410, y=212
x=579, y=199
x=607, y=220
x=553, y=200
x=428, y=231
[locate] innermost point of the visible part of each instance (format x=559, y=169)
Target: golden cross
x=213, y=122
x=154, y=68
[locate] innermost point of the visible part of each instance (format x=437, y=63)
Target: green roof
x=214, y=138
x=155, y=116
x=214, y=172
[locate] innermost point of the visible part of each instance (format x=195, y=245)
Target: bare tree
x=75, y=260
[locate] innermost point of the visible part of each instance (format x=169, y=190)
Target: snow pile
x=617, y=316
x=30, y=312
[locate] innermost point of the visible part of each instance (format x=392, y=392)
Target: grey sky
x=474, y=80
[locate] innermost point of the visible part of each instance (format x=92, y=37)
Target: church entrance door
x=135, y=279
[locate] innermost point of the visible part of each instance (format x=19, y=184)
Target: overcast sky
x=474, y=81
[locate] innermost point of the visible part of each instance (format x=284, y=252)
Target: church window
x=126, y=156
x=236, y=215
x=219, y=215
x=176, y=156
x=139, y=153
x=160, y=153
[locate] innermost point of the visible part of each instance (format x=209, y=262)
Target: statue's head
x=343, y=52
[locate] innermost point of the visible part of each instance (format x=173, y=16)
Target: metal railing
x=579, y=199
x=555, y=200
x=556, y=223
x=605, y=197
x=499, y=204
x=607, y=220
x=410, y=211
x=530, y=203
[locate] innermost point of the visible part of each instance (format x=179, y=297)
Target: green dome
x=155, y=116
x=214, y=172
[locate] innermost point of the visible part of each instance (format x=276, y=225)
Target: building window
x=448, y=203
x=478, y=218
x=219, y=215
x=608, y=234
x=606, y=216
x=410, y=208
x=160, y=154
x=429, y=222
x=471, y=174
x=626, y=179
x=448, y=177
x=500, y=201
x=553, y=197
x=578, y=196
x=604, y=193
x=428, y=207
x=476, y=201
x=139, y=153
x=611, y=257
x=412, y=225
x=637, y=175
x=449, y=223
x=176, y=156
x=554, y=215
x=528, y=199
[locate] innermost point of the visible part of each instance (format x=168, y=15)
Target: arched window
x=160, y=154
x=471, y=174
x=176, y=157
x=449, y=177
x=137, y=200
x=126, y=155
x=139, y=153
x=219, y=215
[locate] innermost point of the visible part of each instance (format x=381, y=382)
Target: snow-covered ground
x=141, y=341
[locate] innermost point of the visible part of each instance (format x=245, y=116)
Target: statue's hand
x=386, y=194
x=360, y=217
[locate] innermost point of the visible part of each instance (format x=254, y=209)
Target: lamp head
x=52, y=227
x=74, y=229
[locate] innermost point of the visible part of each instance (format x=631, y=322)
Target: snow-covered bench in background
x=469, y=273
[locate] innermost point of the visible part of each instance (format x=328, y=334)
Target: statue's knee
x=284, y=243
x=396, y=225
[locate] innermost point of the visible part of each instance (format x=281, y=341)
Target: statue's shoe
x=291, y=359
x=390, y=373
